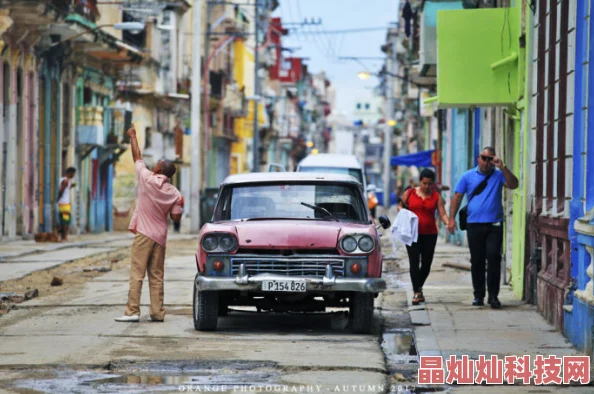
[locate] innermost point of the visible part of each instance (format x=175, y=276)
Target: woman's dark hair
x=427, y=173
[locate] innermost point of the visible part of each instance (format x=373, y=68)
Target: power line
x=346, y=31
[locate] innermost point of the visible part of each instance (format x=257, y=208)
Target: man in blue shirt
x=484, y=223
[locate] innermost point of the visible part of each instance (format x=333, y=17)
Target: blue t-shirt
x=487, y=206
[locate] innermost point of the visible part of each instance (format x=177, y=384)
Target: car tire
x=361, y=312
x=223, y=308
x=206, y=310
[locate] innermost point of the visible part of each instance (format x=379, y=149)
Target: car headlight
x=227, y=242
x=366, y=243
x=349, y=244
x=210, y=243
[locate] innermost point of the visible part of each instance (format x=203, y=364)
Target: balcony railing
x=90, y=128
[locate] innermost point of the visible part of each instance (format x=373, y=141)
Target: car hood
x=291, y=234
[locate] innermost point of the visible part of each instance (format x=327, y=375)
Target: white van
x=333, y=163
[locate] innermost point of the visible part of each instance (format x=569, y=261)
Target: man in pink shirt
x=157, y=199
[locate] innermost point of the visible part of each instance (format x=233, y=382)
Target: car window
x=340, y=201
x=355, y=172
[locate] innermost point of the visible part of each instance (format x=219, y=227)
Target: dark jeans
x=484, y=241
x=420, y=256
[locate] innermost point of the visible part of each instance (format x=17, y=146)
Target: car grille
x=315, y=267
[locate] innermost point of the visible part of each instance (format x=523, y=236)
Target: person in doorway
x=157, y=199
x=424, y=201
x=64, y=207
x=483, y=185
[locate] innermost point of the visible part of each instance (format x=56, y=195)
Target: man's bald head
x=165, y=167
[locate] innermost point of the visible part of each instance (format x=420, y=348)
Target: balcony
x=86, y=8
x=428, y=44
x=90, y=128
x=234, y=102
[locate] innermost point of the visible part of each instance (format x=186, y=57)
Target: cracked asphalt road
x=69, y=341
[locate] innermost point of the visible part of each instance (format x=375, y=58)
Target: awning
x=419, y=159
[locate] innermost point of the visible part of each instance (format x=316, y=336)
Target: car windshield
x=319, y=201
x=335, y=170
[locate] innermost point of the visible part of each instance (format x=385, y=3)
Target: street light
x=363, y=75
x=391, y=123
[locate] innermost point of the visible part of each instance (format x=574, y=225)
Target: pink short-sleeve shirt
x=156, y=199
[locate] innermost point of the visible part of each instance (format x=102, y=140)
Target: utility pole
x=196, y=171
x=256, y=138
x=206, y=110
x=389, y=115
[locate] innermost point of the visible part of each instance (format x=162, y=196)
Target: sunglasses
x=487, y=158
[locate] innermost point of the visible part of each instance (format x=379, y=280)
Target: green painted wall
x=468, y=43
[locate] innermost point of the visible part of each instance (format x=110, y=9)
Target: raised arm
x=511, y=181
x=136, y=155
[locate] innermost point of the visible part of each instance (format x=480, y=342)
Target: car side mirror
x=384, y=222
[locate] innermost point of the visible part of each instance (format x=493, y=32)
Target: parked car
x=289, y=242
x=334, y=163
x=338, y=164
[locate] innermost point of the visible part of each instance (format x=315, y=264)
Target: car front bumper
x=329, y=283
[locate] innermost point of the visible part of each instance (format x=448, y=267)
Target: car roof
x=330, y=160
x=275, y=177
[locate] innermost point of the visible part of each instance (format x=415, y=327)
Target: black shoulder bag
x=463, y=214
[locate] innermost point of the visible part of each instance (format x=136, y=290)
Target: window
x=290, y=201
x=366, y=105
x=147, y=138
x=358, y=105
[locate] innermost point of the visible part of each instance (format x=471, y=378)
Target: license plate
x=283, y=285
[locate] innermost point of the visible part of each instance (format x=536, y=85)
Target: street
x=68, y=341
x=75, y=330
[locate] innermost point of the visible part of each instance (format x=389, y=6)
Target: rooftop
x=275, y=177
x=330, y=160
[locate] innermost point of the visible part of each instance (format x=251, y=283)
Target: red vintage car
x=298, y=242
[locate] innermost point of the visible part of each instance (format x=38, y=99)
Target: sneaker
x=155, y=320
x=478, y=301
x=128, y=319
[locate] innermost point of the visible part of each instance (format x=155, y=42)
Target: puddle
x=154, y=377
x=218, y=378
x=399, y=347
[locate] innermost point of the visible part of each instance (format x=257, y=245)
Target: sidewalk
x=447, y=324
x=20, y=258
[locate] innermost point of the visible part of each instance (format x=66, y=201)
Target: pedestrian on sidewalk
x=64, y=207
x=424, y=201
x=483, y=185
x=157, y=199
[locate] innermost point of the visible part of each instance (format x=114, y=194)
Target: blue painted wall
x=460, y=150
x=477, y=135
x=579, y=318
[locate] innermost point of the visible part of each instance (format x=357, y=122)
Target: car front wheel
x=361, y=312
x=206, y=309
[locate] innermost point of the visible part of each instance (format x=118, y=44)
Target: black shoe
x=478, y=301
x=494, y=302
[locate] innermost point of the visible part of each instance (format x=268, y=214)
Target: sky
x=324, y=50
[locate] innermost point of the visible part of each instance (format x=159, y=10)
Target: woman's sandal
x=418, y=298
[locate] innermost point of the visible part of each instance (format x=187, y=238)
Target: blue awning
x=419, y=159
